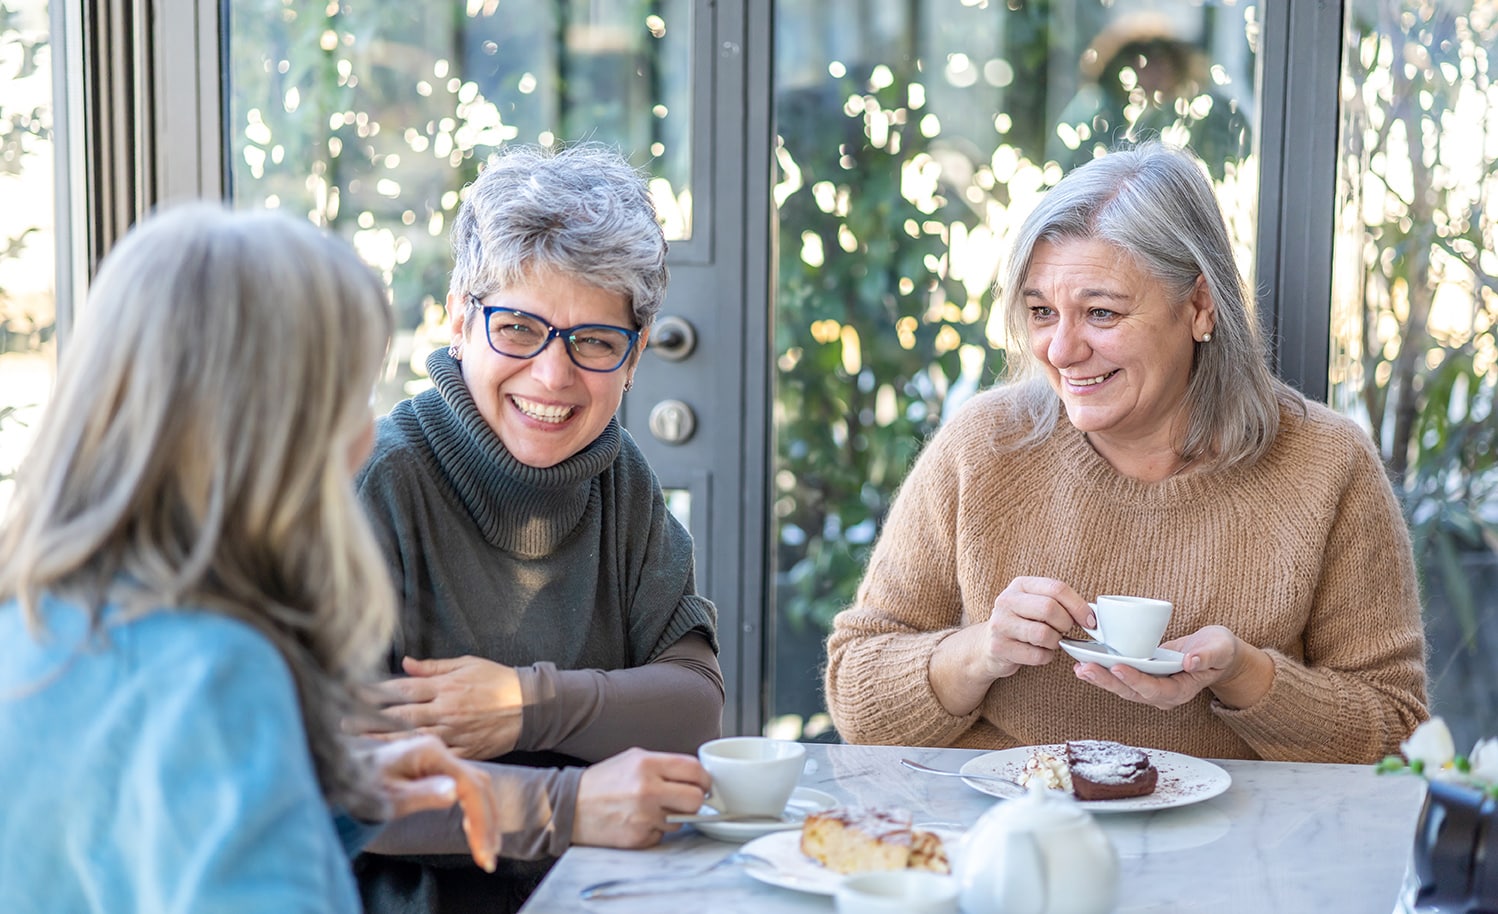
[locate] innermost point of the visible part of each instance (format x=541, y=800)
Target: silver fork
x=635, y=885
x=927, y=769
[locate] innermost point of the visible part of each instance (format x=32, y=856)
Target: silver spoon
x=637, y=885
x=917, y=766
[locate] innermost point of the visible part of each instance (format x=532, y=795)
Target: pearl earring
x=1206, y=337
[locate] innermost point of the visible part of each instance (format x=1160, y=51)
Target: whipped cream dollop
x=1049, y=770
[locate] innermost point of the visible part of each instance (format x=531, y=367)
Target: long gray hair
x=196, y=451
x=1155, y=204
x=581, y=210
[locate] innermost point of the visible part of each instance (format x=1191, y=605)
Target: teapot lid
x=1040, y=807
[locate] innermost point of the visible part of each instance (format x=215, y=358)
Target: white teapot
x=1039, y=854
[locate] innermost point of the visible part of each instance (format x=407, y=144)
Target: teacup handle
x=1095, y=634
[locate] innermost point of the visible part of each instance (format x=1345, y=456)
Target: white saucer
x=1163, y=663
x=803, y=802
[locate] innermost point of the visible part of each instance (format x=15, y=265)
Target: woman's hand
x=623, y=801
x=418, y=773
x=1029, y=619
x=472, y=704
x=1237, y=673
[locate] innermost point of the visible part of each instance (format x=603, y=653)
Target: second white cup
x=752, y=775
x=1130, y=626
x=897, y=892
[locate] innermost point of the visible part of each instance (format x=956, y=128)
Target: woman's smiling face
x=544, y=409
x=1117, y=349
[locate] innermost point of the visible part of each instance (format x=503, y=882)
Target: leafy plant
x=1421, y=288
x=23, y=130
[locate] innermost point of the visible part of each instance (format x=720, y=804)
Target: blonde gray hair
x=1155, y=204
x=582, y=211
x=196, y=450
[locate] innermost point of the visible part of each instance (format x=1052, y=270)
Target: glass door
x=371, y=118
x=1414, y=355
x=911, y=139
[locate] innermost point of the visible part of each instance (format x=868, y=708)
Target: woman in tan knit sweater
x=1145, y=448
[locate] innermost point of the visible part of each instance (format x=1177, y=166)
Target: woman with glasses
x=550, y=613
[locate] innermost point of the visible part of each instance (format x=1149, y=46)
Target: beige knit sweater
x=1304, y=553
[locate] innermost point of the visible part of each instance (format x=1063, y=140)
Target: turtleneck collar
x=517, y=507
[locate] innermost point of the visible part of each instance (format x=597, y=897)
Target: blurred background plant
x=28, y=323
x=908, y=149
x=912, y=137
x=1415, y=299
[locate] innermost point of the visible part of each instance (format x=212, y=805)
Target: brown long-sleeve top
x=1303, y=553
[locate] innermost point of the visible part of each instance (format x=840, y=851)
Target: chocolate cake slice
x=1105, y=770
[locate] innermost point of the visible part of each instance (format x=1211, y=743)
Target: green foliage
x=1426, y=297
x=869, y=331
x=21, y=131
x=1451, y=489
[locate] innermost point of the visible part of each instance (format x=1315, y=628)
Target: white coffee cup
x=897, y=892
x=752, y=775
x=1130, y=626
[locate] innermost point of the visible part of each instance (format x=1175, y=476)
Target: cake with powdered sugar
x=854, y=840
x=1105, y=770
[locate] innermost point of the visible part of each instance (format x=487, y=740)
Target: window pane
x=913, y=138
x=1414, y=301
x=28, y=312
x=371, y=118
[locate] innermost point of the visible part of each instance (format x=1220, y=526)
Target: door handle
x=673, y=338
x=672, y=421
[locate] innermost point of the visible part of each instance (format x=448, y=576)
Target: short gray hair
x=195, y=453
x=580, y=210
x=1155, y=204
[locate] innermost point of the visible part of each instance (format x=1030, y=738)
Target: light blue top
x=158, y=766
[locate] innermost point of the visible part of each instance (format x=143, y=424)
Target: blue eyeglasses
x=522, y=335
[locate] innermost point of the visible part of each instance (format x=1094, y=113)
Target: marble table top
x=1284, y=836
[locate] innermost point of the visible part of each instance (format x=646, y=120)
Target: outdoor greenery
x=27, y=326
x=910, y=143
x=25, y=133
x=893, y=215
x=370, y=118
x=1415, y=305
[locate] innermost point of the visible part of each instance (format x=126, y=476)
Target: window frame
x=140, y=123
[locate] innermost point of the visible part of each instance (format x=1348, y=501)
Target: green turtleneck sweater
x=576, y=575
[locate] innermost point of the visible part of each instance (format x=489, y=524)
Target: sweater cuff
x=885, y=697
x=1298, y=719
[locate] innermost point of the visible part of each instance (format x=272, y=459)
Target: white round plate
x=802, y=803
x=1184, y=779
x=1163, y=663
x=794, y=870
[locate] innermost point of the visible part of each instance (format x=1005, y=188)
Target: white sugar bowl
x=1038, y=854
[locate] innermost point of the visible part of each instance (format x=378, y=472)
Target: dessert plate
x=802, y=803
x=1184, y=779
x=1163, y=663
x=794, y=870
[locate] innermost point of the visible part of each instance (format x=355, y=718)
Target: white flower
x=1484, y=760
x=1432, y=745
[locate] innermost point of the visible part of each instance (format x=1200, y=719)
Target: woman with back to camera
x=190, y=594
x=550, y=613
x=1145, y=448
